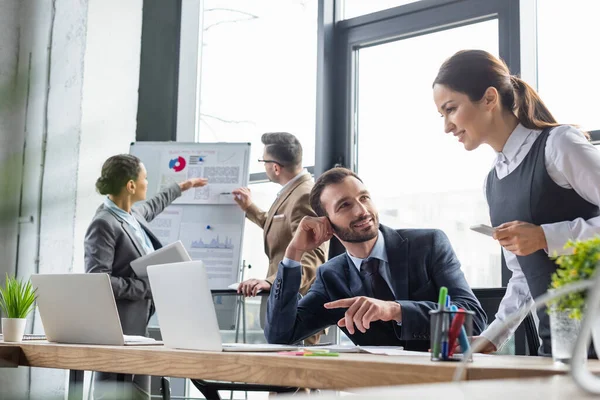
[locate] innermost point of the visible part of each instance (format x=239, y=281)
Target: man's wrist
x=294, y=254
x=396, y=311
x=543, y=242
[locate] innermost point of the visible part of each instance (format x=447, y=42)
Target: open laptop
x=81, y=309
x=186, y=312
x=174, y=252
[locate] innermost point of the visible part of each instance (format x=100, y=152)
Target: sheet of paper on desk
x=395, y=351
x=384, y=350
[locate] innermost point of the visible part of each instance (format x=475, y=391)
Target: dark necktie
x=376, y=286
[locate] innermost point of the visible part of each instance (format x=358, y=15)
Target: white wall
x=75, y=67
x=11, y=142
x=12, y=381
x=54, y=35
x=110, y=99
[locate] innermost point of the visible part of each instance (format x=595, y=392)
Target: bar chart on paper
x=216, y=246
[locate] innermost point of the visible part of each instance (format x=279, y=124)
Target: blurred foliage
x=575, y=267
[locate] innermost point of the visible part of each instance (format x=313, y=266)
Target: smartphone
x=484, y=229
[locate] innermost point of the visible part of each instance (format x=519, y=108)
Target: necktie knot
x=370, y=266
x=375, y=285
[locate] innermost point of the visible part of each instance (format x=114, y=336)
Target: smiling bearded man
x=381, y=290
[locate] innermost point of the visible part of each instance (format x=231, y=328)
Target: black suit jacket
x=420, y=261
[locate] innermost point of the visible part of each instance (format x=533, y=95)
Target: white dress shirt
x=291, y=181
x=572, y=162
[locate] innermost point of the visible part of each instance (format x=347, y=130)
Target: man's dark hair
x=285, y=148
x=331, y=177
x=116, y=172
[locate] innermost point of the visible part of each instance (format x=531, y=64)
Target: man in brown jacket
x=282, y=156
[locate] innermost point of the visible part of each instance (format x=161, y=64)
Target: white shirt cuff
x=289, y=263
x=557, y=235
x=498, y=334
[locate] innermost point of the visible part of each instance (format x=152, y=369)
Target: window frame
x=337, y=61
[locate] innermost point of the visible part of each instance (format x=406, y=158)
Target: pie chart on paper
x=177, y=164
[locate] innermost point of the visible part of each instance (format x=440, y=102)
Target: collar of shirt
x=377, y=252
x=294, y=179
x=130, y=220
x=124, y=215
x=513, y=145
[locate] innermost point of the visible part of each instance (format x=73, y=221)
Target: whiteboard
x=207, y=220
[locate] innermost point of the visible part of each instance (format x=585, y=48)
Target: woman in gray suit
x=119, y=233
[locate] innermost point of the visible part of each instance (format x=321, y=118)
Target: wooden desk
x=551, y=388
x=338, y=373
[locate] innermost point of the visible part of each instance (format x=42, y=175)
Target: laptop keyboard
x=29, y=336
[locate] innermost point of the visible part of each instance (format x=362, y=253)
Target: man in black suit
x=381, y=291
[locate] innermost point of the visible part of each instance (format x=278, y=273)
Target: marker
x=445, y=335
x=463, y=340
x=320, y=354
x=438, y=326
x=455, y=328
x=445, y=329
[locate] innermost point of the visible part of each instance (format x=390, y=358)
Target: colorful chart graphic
x=177, y=164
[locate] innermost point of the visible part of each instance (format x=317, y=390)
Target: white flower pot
x=13, y=329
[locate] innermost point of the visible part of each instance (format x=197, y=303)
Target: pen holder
x=449, y=329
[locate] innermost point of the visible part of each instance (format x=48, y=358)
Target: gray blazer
x=110, y=245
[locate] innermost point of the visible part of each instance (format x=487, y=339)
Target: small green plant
x=578, y=266
x=17, y=298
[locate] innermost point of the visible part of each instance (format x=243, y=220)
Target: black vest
x=529, y=194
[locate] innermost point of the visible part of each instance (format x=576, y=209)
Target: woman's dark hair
x=472, y=72
x=116, y=172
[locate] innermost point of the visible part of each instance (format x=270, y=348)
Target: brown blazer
x=279, y=225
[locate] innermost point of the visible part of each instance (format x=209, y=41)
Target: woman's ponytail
x=529, y=107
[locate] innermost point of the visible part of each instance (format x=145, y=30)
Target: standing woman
x=544, y=188
x=119, y=233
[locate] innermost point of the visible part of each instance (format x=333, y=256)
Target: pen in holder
x=449, y=328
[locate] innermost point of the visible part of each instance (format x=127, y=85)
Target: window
x=258, y=72
x=568, y=59
x=356, y=8
x=420, y=177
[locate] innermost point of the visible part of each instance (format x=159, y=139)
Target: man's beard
x=351, y=236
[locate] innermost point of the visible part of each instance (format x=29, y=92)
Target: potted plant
x=566, y=312
x=17, y=299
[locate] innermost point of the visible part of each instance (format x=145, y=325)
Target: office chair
x=527, y=341
x=210, y=389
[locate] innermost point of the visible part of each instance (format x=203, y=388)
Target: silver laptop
x=81, y=309
x=186, y=312
x=174, y=252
